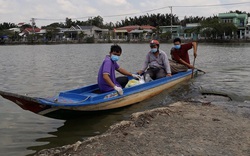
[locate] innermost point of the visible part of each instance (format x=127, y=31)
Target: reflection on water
x=77, y=129
x=44, y=70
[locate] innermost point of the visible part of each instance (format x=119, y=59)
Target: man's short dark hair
x=177, y=40
x=116, y=48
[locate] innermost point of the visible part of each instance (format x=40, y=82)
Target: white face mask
x=115, y=57
x=153, y=50
x=177, y=46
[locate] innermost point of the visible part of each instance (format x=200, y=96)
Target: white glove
x=136, y=76
x=119, y=90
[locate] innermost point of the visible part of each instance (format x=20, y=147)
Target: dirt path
x=180, y=129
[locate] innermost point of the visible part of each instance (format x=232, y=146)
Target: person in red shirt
x=180, y=58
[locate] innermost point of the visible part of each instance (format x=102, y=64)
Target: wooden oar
x=200, y=70
x=193, y=68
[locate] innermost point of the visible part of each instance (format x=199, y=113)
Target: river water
x=45, y=70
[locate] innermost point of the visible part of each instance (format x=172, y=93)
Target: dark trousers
x=156, y=73
x=122, y=80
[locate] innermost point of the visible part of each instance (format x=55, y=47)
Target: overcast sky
x=50, y=11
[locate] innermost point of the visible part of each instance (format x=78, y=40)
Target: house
x=72, y=33
x=248, y=28
x=134, y=32
x=185, y=32
x=20, y=24
x=192, y=25
x=93, y=31
x=239, y=20
x=15, y=30
x=189, y=31
x=175, y=30
x=29, y=31
x=87, y=31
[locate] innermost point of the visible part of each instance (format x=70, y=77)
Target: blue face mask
x=115, y=58
x=153, y=50
x=177, y=46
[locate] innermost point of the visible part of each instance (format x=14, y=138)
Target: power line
x=60, y=19
x=189, y=6
x=211, y=5
x=177, y=6
x=180, y=6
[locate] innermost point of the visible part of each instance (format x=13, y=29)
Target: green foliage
x=212, y=27
x=25, y=26
x=69, y=23
x=7, y=33
x=5, y=25
x=166, y=35
x=238, y=12
x=153, y=20
x=54, y=25
x=90, y=39
x=81, y=36
x=97, y=21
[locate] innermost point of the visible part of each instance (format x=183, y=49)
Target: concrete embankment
x=183, y=128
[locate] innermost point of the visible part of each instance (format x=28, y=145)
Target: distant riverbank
x=119, y=41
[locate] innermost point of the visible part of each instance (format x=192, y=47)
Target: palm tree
x=81, y=36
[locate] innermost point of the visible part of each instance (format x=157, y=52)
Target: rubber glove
x=136, y=76
x=119, y=90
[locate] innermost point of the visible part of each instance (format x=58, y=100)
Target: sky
x=49, y=11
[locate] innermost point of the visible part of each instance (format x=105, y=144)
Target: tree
x=165, y=36
x=6, y=25
x=229, y=29
x=68, y=22
x=238, y=12
x=54, y=25
x=212, y=27
x=97, y=21
x=23, y=27
x=6, y=32
x=109, y=25
x=81, y=35
x=51, y=33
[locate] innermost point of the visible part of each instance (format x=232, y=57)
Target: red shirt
x=181, y=53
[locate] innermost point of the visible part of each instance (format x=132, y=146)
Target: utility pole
x=171, y=20
x=90, y=19
x=33, y=23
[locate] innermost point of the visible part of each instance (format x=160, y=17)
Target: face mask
x=177, y=46
x=153, y=50
x=115, y=58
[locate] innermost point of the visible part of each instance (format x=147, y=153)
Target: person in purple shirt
x=106, y=76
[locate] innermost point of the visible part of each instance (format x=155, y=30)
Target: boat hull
x=131, y=99
x=51, y=107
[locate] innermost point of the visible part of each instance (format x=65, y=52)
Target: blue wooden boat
x=88, y=99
